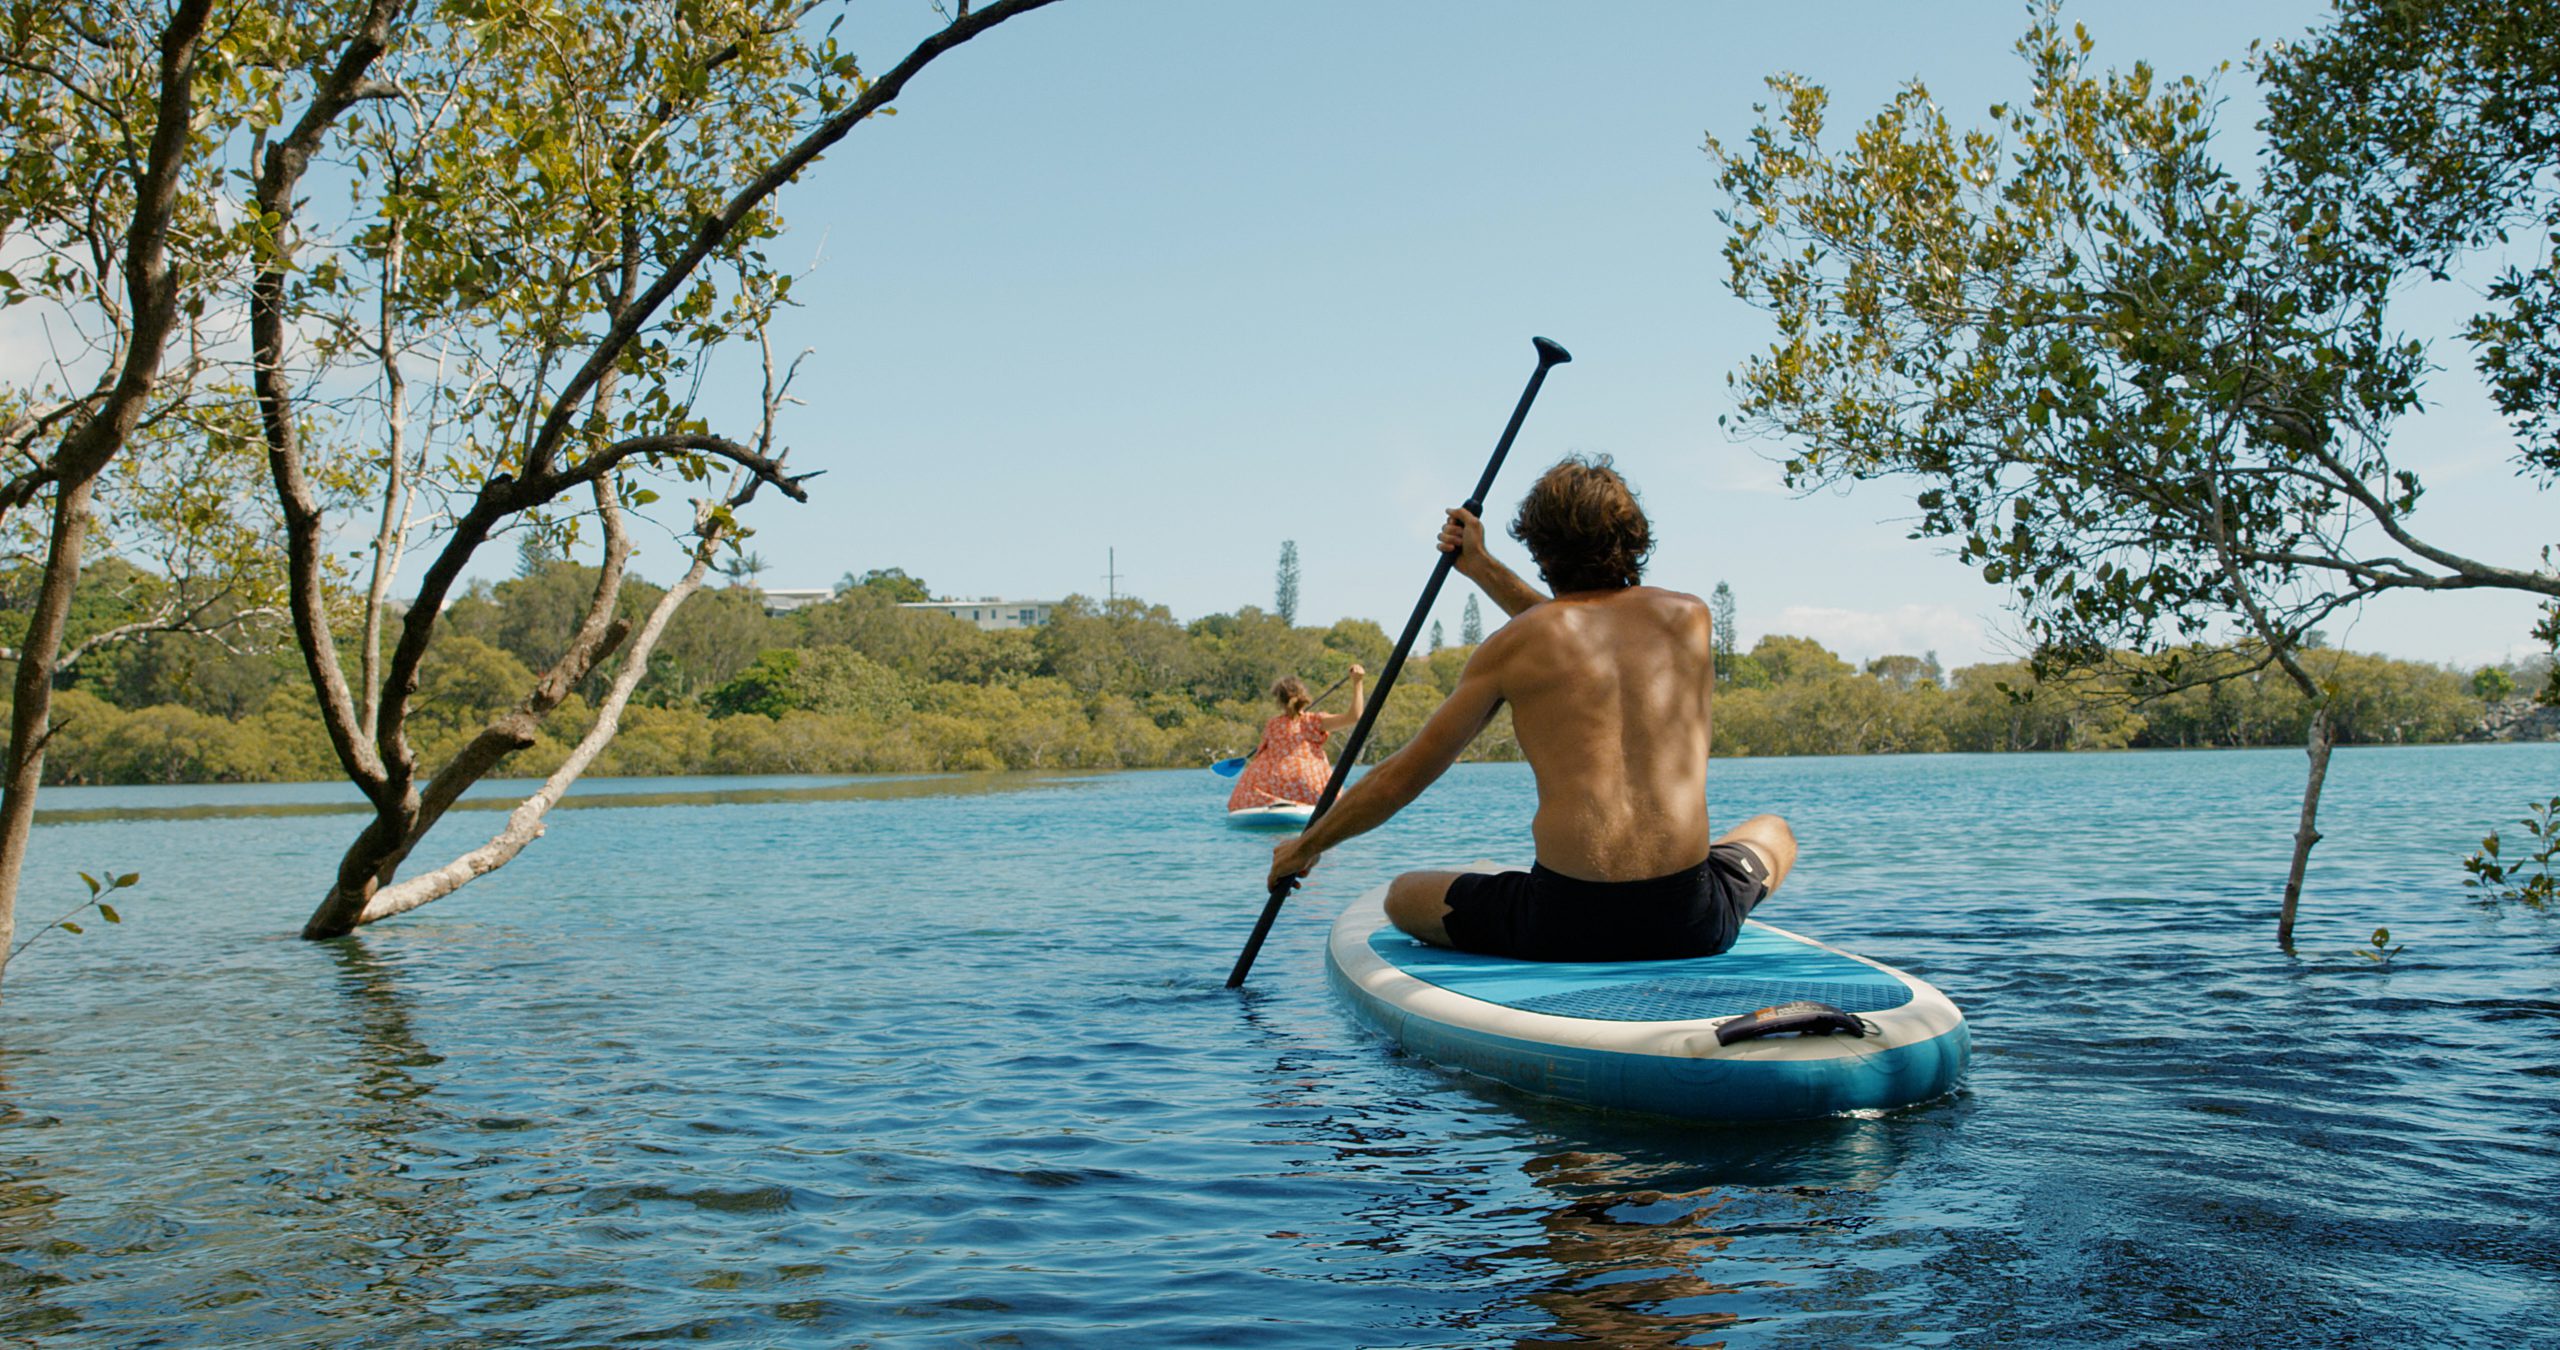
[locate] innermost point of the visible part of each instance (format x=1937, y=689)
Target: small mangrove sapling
x=2527, y=881
x=69, y=922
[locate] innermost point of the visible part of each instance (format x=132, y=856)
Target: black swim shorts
x=1539, y=915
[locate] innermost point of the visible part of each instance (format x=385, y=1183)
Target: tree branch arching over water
x=2152, y=400
x=562, y=209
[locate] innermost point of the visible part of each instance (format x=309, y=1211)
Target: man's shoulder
x=1669, y=599
x=1652, y=598
x=1670, y=606
x=1598, y=618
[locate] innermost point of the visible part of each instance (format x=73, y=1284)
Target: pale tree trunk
x=365, y=890
x=392, y=537
x=2308, y=833
x=2317, y=742
x=151, y=291
x=2280, y=648
x=403, y=812
x=525, y=823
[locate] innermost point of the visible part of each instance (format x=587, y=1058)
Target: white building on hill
x=783, y=600
x=991, y=613
x=987, y=612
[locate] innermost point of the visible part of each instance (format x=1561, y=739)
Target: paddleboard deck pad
x=1779, y=1027
x=1284, y=816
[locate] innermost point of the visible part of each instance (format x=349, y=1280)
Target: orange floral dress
x=1289, y=766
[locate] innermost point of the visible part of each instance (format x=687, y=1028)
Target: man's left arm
x=1402, y=776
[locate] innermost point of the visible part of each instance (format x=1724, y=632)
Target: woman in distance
x=1290, y=766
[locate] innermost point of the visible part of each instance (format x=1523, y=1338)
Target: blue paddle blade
x=1229, y=768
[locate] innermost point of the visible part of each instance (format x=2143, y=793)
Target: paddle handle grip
x=1549, y=354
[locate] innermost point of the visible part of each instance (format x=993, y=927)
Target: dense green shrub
x=859, y=685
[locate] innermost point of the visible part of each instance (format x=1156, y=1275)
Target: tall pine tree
x=1720, y=608
x=1285, y=601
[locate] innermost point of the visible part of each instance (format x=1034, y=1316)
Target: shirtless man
x=1609, y=683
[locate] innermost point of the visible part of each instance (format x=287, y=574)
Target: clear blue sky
x=1187, y=280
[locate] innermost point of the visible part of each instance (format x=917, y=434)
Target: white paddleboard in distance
x=1278, y=816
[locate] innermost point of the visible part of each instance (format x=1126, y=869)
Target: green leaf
x=70, y=927
x=108, y=912
x=127, y=879
x=93, y=882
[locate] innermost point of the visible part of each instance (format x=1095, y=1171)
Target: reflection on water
x=31, y=1256
x=1630, y=1265
x=406, y=1229
x=1658, y=1234
x=236, y=1191
x=800, y=1063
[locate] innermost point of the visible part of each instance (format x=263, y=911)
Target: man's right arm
x=1463, y=535
x=1402, y=776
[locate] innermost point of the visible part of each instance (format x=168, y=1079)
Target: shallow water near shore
x=810, y=1062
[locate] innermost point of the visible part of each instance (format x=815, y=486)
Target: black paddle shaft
x=1549, y=354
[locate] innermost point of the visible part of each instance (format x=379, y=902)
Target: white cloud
x=1733, y=468
x=2476, y=657
x=1858, y=635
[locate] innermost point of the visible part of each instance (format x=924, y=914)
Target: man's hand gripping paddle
x=1549, y=354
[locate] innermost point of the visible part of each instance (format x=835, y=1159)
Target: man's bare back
x=1611, y=694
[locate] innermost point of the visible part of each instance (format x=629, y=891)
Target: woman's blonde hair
x=1291, y=692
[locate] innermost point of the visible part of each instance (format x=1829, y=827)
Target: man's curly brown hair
x=1584, y=527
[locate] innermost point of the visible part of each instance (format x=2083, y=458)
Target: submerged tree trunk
x=560, y=444
x=2318, y=744
x=403, y=812
x=2284, y=649
x=152, y=298
x=524, y=824
x=30, y=717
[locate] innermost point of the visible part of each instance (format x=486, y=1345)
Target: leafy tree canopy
x=2150, y=397
x=890, y=583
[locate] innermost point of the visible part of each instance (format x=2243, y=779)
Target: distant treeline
x=1791, y=696
x=859, y=685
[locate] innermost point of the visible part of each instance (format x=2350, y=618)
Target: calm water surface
x=918, y=1065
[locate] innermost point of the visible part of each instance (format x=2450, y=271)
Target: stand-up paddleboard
x=1780, y=1027
x=1278, y=816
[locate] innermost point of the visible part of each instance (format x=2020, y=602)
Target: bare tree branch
x=280, y=171
x=555, y=428
x=525, y=822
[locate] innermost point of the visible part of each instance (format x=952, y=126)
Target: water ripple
x=836, y=1067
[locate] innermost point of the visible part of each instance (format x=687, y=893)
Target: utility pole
x=1111, y=577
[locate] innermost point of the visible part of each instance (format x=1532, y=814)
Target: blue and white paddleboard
x=1280, y=816
x=1644, y=1035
